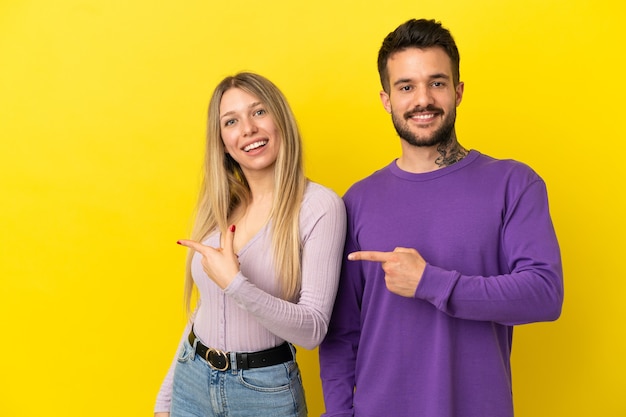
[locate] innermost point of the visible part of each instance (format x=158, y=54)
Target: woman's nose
x=248, y=127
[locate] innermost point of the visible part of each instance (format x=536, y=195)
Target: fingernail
x=178, y=241
x=350, y=257
x=232, y=228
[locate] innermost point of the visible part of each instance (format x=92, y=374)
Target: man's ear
x=384, y=98
x=460, y=88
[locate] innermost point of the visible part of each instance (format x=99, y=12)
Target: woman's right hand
x=220, y=264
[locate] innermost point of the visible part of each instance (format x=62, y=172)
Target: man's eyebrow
x=402, y=81
x=440, y=75
x=436, y=76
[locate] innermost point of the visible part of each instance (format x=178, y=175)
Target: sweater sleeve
x=338, y=351
x=304, y=323
x=164, y=396
x=533, y=289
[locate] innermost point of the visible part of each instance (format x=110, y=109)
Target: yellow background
x=102, y=115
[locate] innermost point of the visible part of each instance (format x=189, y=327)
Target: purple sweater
x=493, y=261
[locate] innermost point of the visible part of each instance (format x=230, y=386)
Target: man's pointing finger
x=373, y=256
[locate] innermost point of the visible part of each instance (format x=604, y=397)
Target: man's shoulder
x=503, y=166
x=364, y=185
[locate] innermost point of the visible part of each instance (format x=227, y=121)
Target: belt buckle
x=218, y=353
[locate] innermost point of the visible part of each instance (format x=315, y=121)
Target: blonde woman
x=265, y=255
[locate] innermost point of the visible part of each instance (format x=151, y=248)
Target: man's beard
x=440, y=136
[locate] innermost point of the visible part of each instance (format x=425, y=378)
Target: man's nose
x=422, y=97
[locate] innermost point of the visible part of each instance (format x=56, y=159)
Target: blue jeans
x=201, y=391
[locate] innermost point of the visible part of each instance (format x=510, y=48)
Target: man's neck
x=450, y=154
x=420, y=159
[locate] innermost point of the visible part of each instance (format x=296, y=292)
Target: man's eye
x=405, y=88
x=438, y=84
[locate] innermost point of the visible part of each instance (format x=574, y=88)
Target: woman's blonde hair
x=224, y=186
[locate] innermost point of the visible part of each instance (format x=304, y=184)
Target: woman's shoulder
x=319, y=198
x=321, y=206
x=317, y=191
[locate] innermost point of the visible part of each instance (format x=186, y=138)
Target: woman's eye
x=260, y=112
x=229, y=122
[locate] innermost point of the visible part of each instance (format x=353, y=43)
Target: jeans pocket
x=268, y=379
x=185, y=353
x=294, y=372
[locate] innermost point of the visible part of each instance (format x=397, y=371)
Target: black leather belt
x=220, y=360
